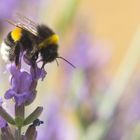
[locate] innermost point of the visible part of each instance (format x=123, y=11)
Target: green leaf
x=19, y=121
x=6, y=116
x=33, y=116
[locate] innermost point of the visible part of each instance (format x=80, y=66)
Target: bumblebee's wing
x=27, y=23
x=25, y=19
x=24, y=25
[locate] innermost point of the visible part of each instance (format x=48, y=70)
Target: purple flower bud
x=23, y=86
x=31, y=133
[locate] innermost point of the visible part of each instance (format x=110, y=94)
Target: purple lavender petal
x=22, y=98
x=13, y=69
x=3, y=123
x=25, y=81
x=38, y=73
x=31, y=98
x=18, y=84
x=9, y=94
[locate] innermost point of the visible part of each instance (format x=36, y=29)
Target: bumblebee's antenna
x=57, y=62
x=66, y=61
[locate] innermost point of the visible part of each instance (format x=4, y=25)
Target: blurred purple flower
x=23, y=84
x=7, y=4
x=57, y=126
x=86, y=54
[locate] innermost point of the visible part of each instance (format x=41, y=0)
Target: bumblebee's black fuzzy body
x=32, y=41
x=44, y=32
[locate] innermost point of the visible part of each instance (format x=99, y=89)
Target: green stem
x=20, y=111
x=19, y=133
x=19, y=118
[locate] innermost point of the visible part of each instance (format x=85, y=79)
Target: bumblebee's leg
x=42, y=67
x=14, y=53
x=34, y=59
x=17, y=53
x=31, y=57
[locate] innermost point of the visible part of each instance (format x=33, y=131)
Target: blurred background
x=100, y=99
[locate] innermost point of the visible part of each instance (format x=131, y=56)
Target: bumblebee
x=32, y=41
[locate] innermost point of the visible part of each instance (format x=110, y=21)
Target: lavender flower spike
x=23, y=86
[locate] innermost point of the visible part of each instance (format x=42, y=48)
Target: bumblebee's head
x=49, y=53
x=48, y=49
x=46, y=36
x=48, y=45
x=50, y=41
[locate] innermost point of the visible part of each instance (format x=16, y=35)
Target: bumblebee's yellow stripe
x=51, y=40
x=16, y=34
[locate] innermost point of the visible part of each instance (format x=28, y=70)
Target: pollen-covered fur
x=4, y=50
